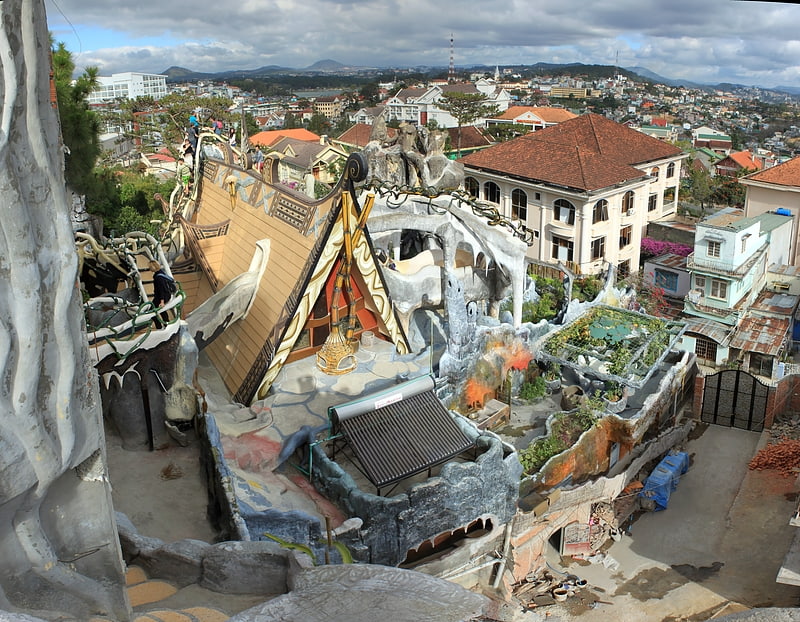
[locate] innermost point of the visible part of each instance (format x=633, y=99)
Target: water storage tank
x=782, y=211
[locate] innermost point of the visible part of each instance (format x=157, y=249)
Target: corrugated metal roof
x=777, y=303
x=716, y=331
x=765, y=335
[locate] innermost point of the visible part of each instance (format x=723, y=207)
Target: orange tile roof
x=270, y=137
x=545, y=113
x=586, y=153
x=786, y=174
x=745, y=160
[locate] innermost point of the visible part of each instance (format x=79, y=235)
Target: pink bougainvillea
x=654, y=248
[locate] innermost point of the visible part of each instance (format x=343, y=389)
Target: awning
x=399, y=432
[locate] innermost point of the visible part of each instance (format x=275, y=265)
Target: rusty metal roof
x=765, y=335
x=784, y=270
x=775, y=303
x=715, y=331
x=669, y=260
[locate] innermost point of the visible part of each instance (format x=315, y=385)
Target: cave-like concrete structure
x=58, y=542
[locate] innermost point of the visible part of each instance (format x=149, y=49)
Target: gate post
x=697, y=396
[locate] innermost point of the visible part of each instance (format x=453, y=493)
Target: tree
x=319, y=124
x=465, y=108
x=369, y=93
x=290, y=121
x=80, y=126
x=700, y=186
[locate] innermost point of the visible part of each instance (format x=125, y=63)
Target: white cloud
x=707, y=41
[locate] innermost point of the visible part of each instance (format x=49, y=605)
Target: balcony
x=707, y=264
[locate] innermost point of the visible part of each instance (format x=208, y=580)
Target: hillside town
x=481, y=346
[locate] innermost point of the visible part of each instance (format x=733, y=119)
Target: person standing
x=163, y=289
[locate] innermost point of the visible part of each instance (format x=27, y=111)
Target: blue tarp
x=664, y=478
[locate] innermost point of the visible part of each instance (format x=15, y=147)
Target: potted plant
x=552, y=376
x=615, y=397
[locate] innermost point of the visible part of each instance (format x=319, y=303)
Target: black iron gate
x=735, y=399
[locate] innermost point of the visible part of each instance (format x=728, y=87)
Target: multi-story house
x=728, y=268
x=418, y=106
x=586, y=187
x=128, y=85
x=331, y=106
x=776, y=188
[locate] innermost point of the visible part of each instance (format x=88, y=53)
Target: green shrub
x=533, y=390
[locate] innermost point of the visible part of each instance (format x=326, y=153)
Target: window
x=719, y=289
x=667, y=280
x=654, y=172
x=705, y=349
x=519, y=205
x=671, y=169
x=669, y=195
x=624, y=268
x=627, y=203
x=700, y=283
x=598, y=248
x=562, y=248
x=564, y=211
x=600, y=212
x=491, y=192
x=713, y=249
x=652, y=202
x=471, y=186
x=744, y=242
x=537, y=196
x=625, y=235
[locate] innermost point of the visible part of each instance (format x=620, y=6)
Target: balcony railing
x=724, y=267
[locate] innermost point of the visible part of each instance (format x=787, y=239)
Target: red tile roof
x=786, y=174
x=586, y=153
x=745, y=160
x=471, y=137
x=359, y=134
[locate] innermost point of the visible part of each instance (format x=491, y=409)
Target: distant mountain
x=326, y=65
x=792, y=90
x=651, y=75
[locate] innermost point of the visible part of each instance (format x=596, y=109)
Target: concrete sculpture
x=52, y=462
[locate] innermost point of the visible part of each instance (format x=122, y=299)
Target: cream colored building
x=586, y=188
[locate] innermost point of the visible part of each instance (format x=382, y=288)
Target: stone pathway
x=144, y=593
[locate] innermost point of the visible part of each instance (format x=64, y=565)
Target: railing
x=720, y=267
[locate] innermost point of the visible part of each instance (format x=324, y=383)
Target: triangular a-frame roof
x=306, y=238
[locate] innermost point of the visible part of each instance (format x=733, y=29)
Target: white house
x=586, y=187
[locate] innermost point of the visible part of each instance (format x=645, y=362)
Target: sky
x=704, y=41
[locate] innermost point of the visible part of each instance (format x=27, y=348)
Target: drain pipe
x=504, y=559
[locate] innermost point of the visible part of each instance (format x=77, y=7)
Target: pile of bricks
x=783, y=456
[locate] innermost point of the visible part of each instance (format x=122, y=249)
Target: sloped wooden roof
x=305, y=240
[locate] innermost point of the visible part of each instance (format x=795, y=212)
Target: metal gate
x=735, y=399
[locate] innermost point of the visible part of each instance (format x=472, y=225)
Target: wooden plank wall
x=236, y=350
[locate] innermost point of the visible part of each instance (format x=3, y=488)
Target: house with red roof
x=587, y=187
x=270, y=137
x=776, y=189
x=737, y=163
x=531, y=118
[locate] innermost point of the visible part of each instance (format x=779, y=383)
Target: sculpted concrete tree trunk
x=58, y=541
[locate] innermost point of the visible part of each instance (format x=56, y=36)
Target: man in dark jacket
x=163, y=289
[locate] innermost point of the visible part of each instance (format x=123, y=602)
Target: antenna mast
x=451, y=75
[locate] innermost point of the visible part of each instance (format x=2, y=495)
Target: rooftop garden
x=616, y=344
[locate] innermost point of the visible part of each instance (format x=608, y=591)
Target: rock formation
x=58, y=538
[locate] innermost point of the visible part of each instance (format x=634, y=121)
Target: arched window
x=671, y=169
x=654, y=172
x=564, y=211
x=472, y=186
x=491, y=192
x=627, y=203
x=519, y=205
x=600, y=212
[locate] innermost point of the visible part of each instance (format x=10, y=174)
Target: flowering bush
x=654, y=248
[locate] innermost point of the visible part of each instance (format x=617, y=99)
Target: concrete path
x=721, y=540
